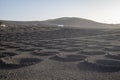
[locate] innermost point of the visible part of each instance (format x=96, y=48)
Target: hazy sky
x=107, y=11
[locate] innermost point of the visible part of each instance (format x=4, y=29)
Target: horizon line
x=56, y=18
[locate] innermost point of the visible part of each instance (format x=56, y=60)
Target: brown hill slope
x=66, y=21
x=79, y=23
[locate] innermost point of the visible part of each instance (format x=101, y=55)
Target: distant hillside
x=26, y=26
x=66, y=21
x=79, y=22
x=27, y=23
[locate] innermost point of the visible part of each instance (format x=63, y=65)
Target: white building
x=3, y=25
x=60, y=25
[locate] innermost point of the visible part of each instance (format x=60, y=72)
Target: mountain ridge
x=66, y=21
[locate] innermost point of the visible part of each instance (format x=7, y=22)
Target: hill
x=79, y=23
x=53, y=24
